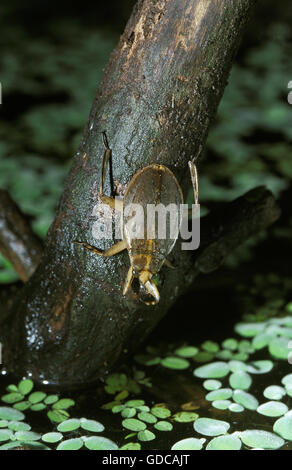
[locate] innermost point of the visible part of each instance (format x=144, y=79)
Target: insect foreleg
x=113, y=250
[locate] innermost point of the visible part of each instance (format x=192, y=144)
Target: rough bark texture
x=160, y=90
x=18, y=243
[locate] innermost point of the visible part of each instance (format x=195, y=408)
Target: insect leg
x=167, y=263
x=195, y=181
x=153, y=291
x=128, y=281
x=110, y=201
x=113, y=250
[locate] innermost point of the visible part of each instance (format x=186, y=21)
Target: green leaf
x=190, y=443
x=147, y=417
x=185, y=416
x=69, y=425
x=22, y=405
x=283, y=427
x=63, y=404
x=135, y=403
x=25, y=386
x=12, y=397
x=221, y=394
x=245, y=399
x=38, y=407
x=160, y=412
x=133, y=424
x=224, y=443
x=99, y=443
x=175, y=363
x=57, y=416
x=210, y=346
x=186, y=351
x=10, y=414
x=50, y=399
x=131, y=446
x=240, y=380
x=215, y=370
x=71, y=444
x=52, y=437
x=36, y=397
x=18, y=426
x=128, y=412
x=211, y=427
x=146, y=435
x=91, y=425
x=261, y=439
x=5, y=434
x=273, y=409
x=163, y=426
x=212, y=384
x=27, y=436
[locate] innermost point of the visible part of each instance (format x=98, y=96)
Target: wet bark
x=70, y=323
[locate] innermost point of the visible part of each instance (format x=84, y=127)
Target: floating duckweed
x=287, y=380
x=185, y=416
x=25, y=386
x=245, y=346
x=260, y=367
x=215, y=370
x=175, y=363
x=236, y=366
x=50, y=399
x=12, y=397
x=5, y=435
x=128, y=412
x=221, y=404
x=10, y=414
x=225, y=354
x=52, y=437
x=186, y=351
x=248, y=330
x=273, y=409
x=163, y=426
x=203, y=356
x=146, y=435
x=69, y=425
x=36, y=397
x=98, y=443
x=57, y=416
x=18, y=426
x=240, y=380
x=71, y=444
x=212, y=384
x=190, y=443
x=236, y=408
x=131, y=446
x=22, y=405
x=133, y=424
x=274, y=392
x=160, y=412
x=27, y=436
x=211, y=427
x=221, y=394
x=38, y=407
x=230, y=343
x=240, y=356
x=279, y=348
x=245, y=399
x=134, y=403
x=289, y=390
x=63, y=404
x=262, y=439
x=224, y=443
x=210, y=346
x=147, y=417
x=261, y=341
x=91, y=425
x=3, y=423
x=283, y=427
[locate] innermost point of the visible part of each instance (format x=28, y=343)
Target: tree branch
x=158, y=96
x=18, y=243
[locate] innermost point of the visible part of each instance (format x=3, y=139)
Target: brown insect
x=153, y=185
